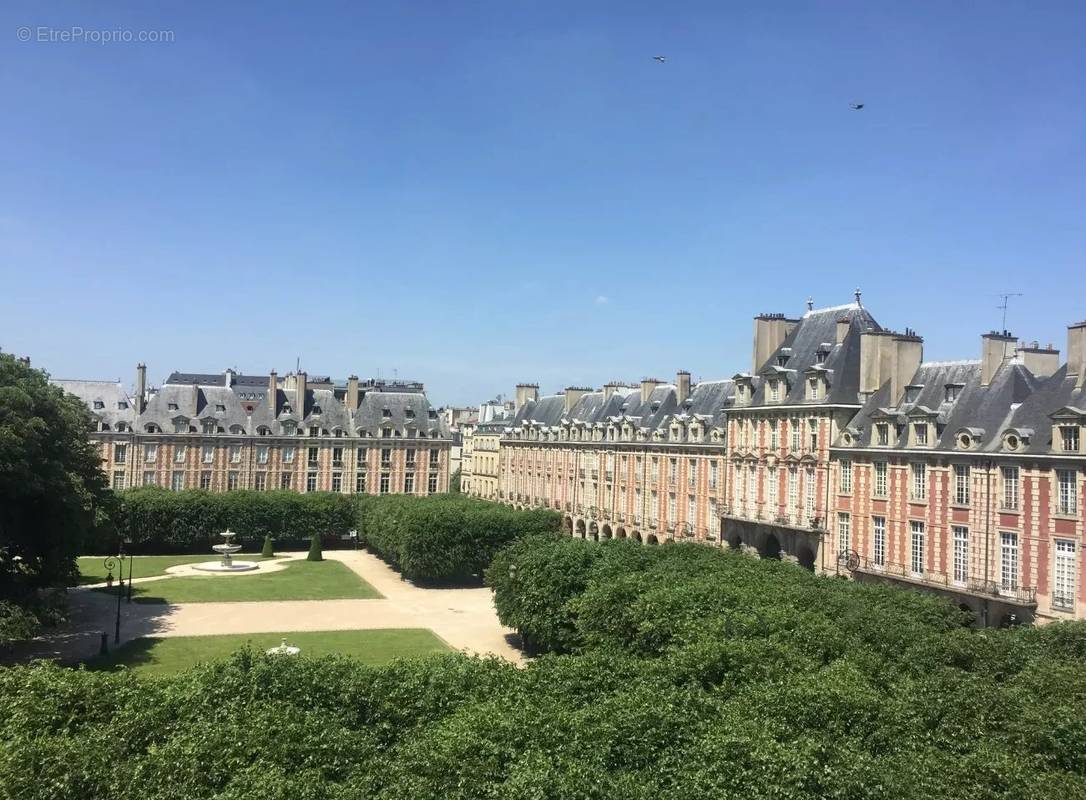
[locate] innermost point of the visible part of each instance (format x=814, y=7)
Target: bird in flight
x=661, y=59
x=856, y=106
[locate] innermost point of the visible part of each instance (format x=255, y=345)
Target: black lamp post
x=111, y=563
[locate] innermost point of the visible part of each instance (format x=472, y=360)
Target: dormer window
x=964, y=441
x=882, y=434
x=920, y=434
x=171, y=406
x=220, y=408
x=951, y=392
x=774, y=391
x=122, y=405
x=386, y=432
x=912, y=394
x=782, y=360
x=820, y=357
x=288, y=428
x=314, y=430
x=209, y=426
x=1069, y=438
x=432, y=414
x=99, y=405
x=814, y=388
x=316, y=411
x=409, y=413
x=386, y=413
x=1012, y=442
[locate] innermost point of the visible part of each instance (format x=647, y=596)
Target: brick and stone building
x=842, y=450
x=230, y=431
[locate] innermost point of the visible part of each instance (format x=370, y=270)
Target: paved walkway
x=464, y=618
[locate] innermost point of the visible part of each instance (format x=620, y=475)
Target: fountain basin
x=233, y=566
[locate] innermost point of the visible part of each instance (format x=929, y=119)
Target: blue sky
x=481, y=193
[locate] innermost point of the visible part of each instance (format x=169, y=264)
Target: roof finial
x=858, y=293
x=810, y=303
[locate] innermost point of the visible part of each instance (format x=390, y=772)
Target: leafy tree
x=53, y=493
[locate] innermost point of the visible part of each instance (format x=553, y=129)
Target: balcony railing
x=972, y=585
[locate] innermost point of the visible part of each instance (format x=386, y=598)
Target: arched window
x=151, y=428
x=237, y=430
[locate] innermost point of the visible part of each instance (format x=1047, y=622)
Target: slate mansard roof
x=117, y=410
x=241, y=406
x=706, y=403
x=815, y=333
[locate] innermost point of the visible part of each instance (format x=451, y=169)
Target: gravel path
x=464, y=618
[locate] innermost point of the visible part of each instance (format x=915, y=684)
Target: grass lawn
x=301, y=580
x=161, y=656
x=92, y=570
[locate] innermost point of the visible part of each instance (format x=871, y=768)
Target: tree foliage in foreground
x=448, y=538
x=53, y=493
x=697, y=674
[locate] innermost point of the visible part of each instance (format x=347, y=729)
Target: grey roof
x=986, y=411
x=817, y=331
x=110, y=394
x=1054, y=393
x=706, y=401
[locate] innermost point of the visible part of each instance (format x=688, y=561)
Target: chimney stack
x=770, y=331
x=525, y=393
x=1076, y=353
x=609, y=390
x=352, y=393
x=996, y=350
x=573, y=394
x=273, y=392
x=300, y=381
x=889, y=356
x=682, y=384
x=1041, y=361
x=647, y=385
x=141, y=387
x=842, y=329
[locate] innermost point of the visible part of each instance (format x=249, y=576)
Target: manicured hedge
x=443, y=538
x=161, y=521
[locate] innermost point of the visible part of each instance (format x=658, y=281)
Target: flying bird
x=856, y=106
x=661, y=59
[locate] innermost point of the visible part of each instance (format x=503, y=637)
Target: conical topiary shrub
x=267, y=551
x=315, y=553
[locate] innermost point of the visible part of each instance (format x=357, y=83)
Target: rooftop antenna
x=1003, y=305
x=297, y=364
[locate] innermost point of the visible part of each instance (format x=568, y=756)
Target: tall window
x=880, y=479
x=120, y=453
x=714, y=474
x=882, y=434
x=118, y=480
x=809, y=491
x=846, y=476
x=774, y=391
x=961, y=554
x=360, y=483
x=691, y=510
x=431, y=483
x=177, y=481
x=774, y=435
x=260, y=481
x=384, y=483
x=920, y=433
x=288, y=454
x=793, y=490
x=1008, y=560
x=752, y=485
x=1063, y=583
x=1068, y=491
x=793, y=426
x=961, y=484
x=844, y=533
x=235, y=454
x=772, y=475
x=311, y=482
x=919, y=488
x=232, y=480
x=311, y=455
x=337, y=482
x=1010, y=487
x=179, y=454
x=691, y=473
x=1069, y=438
x=285, y=480
x=654, y=507
x=150, y=453
x=207, y=453
x=916, y=552
x=205, y=479
x=262, y=454
x=878, y=540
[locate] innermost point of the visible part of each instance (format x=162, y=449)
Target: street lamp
x=111, y=563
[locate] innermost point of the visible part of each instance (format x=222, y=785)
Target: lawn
x=92, y=570
x=301, y=580
x=161, y=656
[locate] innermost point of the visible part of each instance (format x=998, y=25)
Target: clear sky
x=480, y=193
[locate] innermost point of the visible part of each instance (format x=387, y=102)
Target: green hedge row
x=700, y=674
x=443, y=538
x=160, y=521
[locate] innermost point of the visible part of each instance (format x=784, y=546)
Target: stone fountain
x=284, y=649
x=227, y=563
